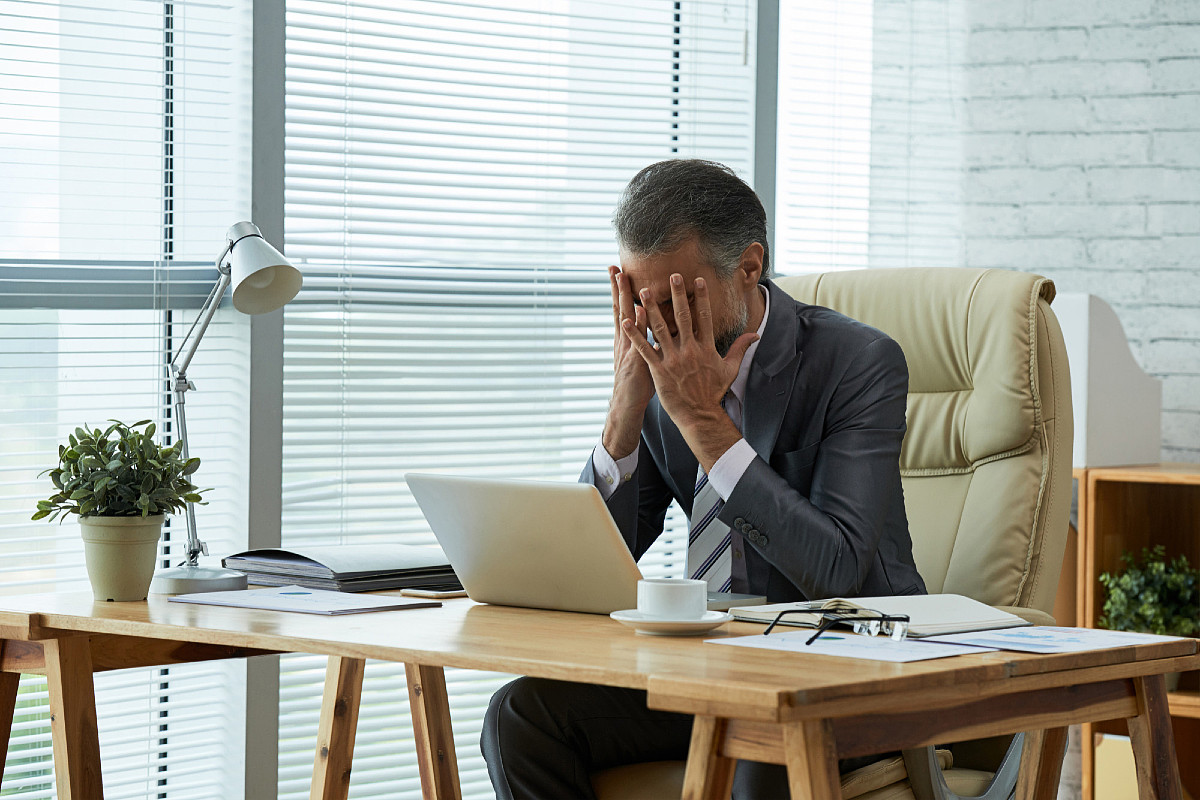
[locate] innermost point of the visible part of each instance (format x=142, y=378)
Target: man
x=793, y=414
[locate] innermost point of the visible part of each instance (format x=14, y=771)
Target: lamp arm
x=187, y=349
x=181, y=384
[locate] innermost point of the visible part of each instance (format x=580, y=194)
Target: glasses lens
x=869, y=627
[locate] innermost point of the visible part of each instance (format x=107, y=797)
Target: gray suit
x=820, y=512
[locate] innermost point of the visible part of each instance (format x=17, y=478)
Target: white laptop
x=529, y=543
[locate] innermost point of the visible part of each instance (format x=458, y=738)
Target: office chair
x=986, y=468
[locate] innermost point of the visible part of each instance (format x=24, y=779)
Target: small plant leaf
x=120, y=471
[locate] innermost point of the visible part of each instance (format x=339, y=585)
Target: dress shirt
x=729, y=468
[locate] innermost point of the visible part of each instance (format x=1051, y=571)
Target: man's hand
x=632, y=384
x=689, y=375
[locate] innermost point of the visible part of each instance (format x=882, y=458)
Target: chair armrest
x=1030, y=615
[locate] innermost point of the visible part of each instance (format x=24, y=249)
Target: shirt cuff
x=608, y=474
x=730, y=467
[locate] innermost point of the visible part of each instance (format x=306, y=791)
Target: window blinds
x=823, y=142
x=451, y=169
x=120, y=176
x=919, y=113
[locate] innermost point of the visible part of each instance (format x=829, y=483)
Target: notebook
x=347, y=567
x=532, y=544
x=929, y=614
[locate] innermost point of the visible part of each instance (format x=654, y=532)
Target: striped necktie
x=708, y=554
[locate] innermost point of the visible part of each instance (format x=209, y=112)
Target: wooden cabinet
x=1123, y=509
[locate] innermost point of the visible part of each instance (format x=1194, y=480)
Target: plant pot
x=120, y=553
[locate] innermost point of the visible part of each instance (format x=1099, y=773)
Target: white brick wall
x=1079, y=158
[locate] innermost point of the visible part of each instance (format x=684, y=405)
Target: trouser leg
x=542, y=739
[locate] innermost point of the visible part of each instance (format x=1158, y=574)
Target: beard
x=724, y=338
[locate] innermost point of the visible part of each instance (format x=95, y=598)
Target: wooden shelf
x=1123, y=509
x=1185, y=703
x=1167, y=473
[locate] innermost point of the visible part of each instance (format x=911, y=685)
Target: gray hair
x=671, y=201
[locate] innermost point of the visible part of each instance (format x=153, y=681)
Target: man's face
x=729, y=312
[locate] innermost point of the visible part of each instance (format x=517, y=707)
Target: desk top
x=683, y=673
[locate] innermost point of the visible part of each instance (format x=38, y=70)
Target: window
x=451, y=169
x=823, y=156
x=120, y=175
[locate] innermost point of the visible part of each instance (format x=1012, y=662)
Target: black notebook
x=347, y=567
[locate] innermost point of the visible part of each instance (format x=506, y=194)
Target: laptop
x=532, y=544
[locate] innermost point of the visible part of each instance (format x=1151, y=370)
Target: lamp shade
x=262, y=278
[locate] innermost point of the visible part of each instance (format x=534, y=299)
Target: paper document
x=849, y=645
x=304, y=601
x=1049, y=639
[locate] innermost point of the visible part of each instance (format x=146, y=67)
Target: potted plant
x=120, y=483
x=1153, y=596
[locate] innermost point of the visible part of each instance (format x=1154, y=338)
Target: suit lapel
x=772, y=374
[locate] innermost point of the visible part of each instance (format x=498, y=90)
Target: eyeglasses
x=862, y=620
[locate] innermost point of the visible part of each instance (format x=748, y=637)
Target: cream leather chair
x=986, y=467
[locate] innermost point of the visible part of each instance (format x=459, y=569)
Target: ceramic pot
x=120, y=553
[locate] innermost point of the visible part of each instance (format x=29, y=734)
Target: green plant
x=1155, y=596
x=119, y=472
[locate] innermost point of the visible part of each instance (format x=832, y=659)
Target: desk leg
x=812, y=763
x=1087, y=761
x=339, y=723
x=430, y=706
x=73, y=718
x=1041, y=764
x=1154, y=742
x=8, y=708
x=709, y=775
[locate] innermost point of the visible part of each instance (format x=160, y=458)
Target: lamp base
x=185, y=580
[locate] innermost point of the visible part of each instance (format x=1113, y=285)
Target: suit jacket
x=820, y=511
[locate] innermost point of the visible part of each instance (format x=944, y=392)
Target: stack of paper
x=348, y=567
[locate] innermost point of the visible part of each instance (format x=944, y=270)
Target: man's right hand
x=632, y=384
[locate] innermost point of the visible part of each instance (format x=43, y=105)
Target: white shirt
x=609, y=473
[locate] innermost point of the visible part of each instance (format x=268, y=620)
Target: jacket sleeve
x=825, y=543
x=639, y=505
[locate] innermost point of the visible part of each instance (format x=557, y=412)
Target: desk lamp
x=263, y=281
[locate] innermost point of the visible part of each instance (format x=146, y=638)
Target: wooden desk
x=749, y=703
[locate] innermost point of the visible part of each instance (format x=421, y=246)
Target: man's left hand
x=690, y=377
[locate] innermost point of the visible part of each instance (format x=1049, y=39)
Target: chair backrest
x=986, y=461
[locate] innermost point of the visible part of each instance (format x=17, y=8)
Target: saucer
x=653, y=626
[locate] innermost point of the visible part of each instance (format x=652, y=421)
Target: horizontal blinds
x=478, y=130
x=824, y=137
x=869, y=145
x=62, y=369
x=101, y=283
x=451, y=169
x=119, y=158
x=115, y=133
x=918, y=115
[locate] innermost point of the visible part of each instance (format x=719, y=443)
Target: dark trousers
x=542, y=739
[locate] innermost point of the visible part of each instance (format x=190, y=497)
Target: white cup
x=672, y=598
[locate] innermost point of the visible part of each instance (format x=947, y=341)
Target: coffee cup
x=672, y=598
